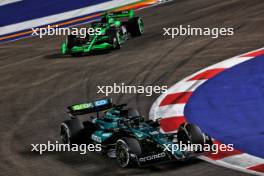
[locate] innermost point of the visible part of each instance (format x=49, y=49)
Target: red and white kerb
x=169, y=108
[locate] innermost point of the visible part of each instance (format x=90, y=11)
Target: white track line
x=5, y=2
x=63, y=16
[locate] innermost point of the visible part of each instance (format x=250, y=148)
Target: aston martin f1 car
x=112, y=31
x=123, y=133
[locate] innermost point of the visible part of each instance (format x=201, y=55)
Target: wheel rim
x=122, y=156
x=124, y=30
x=184, y=137
x=64, y=48
x=114, y=42
x=65, y=136
x=141, y=25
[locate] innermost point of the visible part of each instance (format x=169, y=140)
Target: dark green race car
x=125, y=135
x=113, y=30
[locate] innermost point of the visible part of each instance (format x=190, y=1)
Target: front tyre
x=136, y=26
x=125, y=149
x=191, y=134
x=114, y=38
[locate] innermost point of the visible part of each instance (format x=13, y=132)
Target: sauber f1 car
x=113, y=30
x=123, y=133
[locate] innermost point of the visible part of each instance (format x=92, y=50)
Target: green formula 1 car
x=112, y=31
x=123, y=134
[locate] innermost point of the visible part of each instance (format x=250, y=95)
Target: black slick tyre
x=71, y=41
x=114, y=38
x=191, y=134
x=125, y=149
x=71, y=131
x=136, y=26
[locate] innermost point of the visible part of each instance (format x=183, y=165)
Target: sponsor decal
x=152, y=157
x=96, y=138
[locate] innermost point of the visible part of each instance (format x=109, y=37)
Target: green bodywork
x=114, y=121
x=100, y=41
x=116, y=125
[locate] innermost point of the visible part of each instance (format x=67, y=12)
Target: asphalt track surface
x=36, y=83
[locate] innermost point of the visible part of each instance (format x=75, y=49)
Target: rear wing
x=120, y=14
x=90, y=107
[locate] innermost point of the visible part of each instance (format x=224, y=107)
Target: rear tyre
x=125, y=149
x=71, y=131
x=132, y=112
x=89, y=129
x=136, y=26
x=93, y=24
x=104, y=20
x=154, y=124
x=71, y=41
